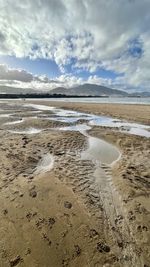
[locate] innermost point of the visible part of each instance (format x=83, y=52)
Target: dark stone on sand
x=101, y=247
x=67, y=205
x=33, y=193
x=15, y=261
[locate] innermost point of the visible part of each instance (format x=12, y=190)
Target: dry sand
x=59, y=218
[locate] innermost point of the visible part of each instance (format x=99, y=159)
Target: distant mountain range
x=88, y=89
x=81, y=90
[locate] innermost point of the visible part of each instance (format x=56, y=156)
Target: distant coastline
x=16, y=96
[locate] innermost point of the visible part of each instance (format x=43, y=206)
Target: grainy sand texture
x=60, y=209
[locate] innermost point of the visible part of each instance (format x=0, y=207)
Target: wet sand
x=73, y=211
x=131, y=112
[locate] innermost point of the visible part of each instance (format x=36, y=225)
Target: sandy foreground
x=60, y=217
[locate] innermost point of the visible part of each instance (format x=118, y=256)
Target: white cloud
x=16, y=78
x=12, y=74
x=23, y=79
x=93, y=33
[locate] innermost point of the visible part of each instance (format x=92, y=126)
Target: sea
x=121, y=100
x=115, y=100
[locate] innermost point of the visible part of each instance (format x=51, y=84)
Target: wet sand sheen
x=45, y=165
x=100, y=150
x=72, y=210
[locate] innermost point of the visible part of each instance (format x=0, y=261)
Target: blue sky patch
x=135, y=48
x=37, y=66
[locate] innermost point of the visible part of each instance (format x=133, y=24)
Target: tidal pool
x=101, y=151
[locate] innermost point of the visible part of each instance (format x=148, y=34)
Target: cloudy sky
x=49, y=43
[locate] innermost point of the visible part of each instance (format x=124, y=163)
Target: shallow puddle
x=39, y=107
x=27, y=131
x=14, y=122
x=131, y=128
x=101, y=151
x=64, y=119
x=77, y=128
x=5, y=115
x=45, y=164
x=139, y=132
x=70, y=116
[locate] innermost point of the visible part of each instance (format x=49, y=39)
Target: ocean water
x=121, y=100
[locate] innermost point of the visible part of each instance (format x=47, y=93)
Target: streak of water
x=27, y=131
x=45, y=164
x=14, y=122
x=39, y=107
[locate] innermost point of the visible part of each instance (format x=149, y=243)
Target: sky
x=51, y=43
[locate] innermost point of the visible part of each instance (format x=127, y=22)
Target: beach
x=60, y=206
x=130, y=112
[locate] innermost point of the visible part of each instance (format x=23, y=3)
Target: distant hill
x=89, y=89
x=81, y=90
x=84, y=90
x=141, y=94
